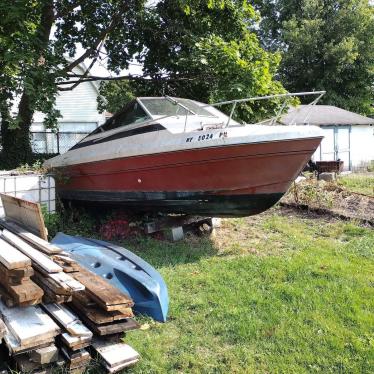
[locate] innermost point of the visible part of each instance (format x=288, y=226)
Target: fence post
x=58, y=141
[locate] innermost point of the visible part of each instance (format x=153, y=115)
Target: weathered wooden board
x=16, y=275
x=66, y=282
x=99, y=316
x=12, y=300
x=77, y=359
x=39, y=243
x=36, y=256
x=115, y=357
x=26, y=213
x=75, y=342
x=103, y=293
x=29, y=325
x=67, y=320
x=11, y=257
x=27, y=291
x=109, y=328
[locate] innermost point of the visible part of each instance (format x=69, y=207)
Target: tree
x=325, y=45
x=35, y=65
x=199, y=48
x=212, y=47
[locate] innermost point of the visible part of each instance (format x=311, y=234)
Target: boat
x=174, y=155
x=123, y=269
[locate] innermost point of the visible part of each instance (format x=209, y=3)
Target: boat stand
x=175, y=227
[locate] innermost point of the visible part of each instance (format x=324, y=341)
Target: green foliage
x=204, y=50
x=114, y=95
x=38, y=45
x=36, y=167
x=360, y=183
x=325, y=45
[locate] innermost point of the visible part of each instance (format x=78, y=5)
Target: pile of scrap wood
x=53, y=312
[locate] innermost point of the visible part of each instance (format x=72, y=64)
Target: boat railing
x=269, y=121
x=274, y=119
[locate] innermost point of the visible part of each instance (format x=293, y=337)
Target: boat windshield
x=130, y=114
x=165, y=106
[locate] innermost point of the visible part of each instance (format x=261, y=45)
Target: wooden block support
x=44, y=355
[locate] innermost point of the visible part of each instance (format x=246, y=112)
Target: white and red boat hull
x=226, y=180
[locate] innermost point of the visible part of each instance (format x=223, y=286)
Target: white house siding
x=354, y=144
x=80, y=116
x=362, y=145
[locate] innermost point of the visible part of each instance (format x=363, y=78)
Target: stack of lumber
x=53, y=312
x=16, y=287
x=102, y=307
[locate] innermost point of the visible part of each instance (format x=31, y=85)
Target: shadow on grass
x=159, y=253
x=163, y=253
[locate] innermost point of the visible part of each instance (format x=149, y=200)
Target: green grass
x=271, y=294
x=362, y=183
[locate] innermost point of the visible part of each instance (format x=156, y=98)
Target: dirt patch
x=329, y=198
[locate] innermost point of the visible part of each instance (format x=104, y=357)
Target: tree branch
x=116, y=18
x=74, y=83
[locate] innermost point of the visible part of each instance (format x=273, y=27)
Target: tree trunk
x=16, y=141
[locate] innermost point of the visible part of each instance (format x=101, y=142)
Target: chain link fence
x=60, y=142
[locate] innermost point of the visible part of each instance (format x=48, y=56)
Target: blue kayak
x=123, y=269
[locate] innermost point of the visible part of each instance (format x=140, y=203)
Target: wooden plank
x=106, y=295
x=18, y=274
x=67, y=320
x=15, y=347
x=11, y=257
x=7, y=277
x=99, y=316
x=11, y=301
x=58, y=283
x=41, y=244
x=115, y=357
x=37, y=257
x=28, y=291
x=110, y=328
x=75, y=342
x=29, y=325
x=76, y=359
x=26, y=213
x=67, y=282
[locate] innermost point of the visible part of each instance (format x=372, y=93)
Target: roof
x=323, y=115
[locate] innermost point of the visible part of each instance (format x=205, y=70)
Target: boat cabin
x=175, y=114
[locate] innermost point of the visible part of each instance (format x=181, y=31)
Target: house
x=79, y=117
x=348, y=136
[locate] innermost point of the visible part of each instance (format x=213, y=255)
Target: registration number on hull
x=222, y=134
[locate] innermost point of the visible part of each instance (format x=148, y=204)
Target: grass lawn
x=269, y=294
x=362, y=183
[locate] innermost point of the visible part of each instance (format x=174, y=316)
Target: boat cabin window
x=132, y=113
x=165, y=106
